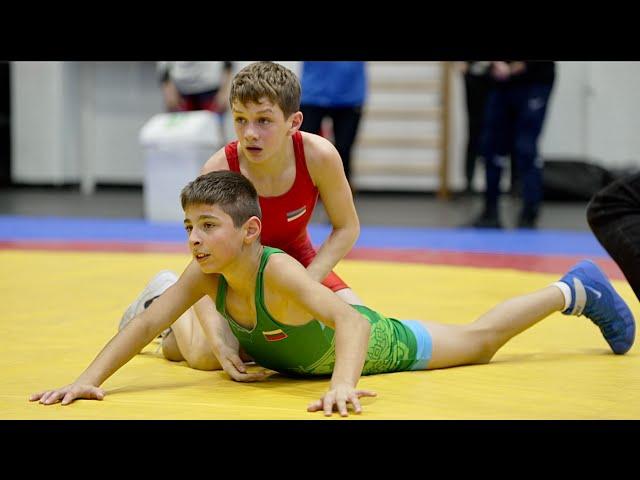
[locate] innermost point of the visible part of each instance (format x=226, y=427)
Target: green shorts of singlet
x=425, y=344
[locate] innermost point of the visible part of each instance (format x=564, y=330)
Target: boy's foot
x=156, y=287
x=593, y=295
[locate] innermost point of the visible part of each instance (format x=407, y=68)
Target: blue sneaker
x=593, y=295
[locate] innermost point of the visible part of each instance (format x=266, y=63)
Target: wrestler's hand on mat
x=339, y=397
x=233, y=365
x=68, y=394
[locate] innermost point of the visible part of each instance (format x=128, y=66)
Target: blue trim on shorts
x=425, y=345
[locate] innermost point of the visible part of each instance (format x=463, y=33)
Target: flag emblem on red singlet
x=274, y=335
x=291, y=216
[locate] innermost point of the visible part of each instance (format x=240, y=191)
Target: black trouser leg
x=476, y=92
x=312, y=118
x=614, y=217
x=345, y=129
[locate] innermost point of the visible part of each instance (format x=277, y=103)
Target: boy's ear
x=295, y=120
x=252, y=227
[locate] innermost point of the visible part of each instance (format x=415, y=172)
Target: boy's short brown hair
x=267, y=79
x=231, y=191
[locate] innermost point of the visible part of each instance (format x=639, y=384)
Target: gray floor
x=401, y=209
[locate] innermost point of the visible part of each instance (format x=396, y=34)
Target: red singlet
x=285, y=217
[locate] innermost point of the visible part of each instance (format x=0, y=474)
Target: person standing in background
x=336, y=90
x=190, y=86
x=477, y=84
x=514, y=117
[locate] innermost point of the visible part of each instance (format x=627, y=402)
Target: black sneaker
x=486, y=220
x=527, y=220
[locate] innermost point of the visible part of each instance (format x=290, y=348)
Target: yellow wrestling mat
x=58, y=310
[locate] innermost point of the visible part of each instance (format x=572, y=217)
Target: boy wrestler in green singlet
x=290, y=323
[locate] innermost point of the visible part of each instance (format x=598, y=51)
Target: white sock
x=566, y=293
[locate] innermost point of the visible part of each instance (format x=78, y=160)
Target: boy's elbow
x=367, y=329
x=355, y=233
x=352, y=231
x=363, y=323
x=355, y=322
x=355, y=229
x=148, y=328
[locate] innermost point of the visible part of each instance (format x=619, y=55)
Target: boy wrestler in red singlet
x=289, y=169
x=290, y=213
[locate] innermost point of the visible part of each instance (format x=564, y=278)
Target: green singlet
x=309, y=349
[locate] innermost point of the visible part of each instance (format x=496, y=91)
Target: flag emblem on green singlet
x=291, y=216
x=274, y=335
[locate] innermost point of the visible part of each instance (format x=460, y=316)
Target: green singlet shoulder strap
x=266, y=253
x=221, y=294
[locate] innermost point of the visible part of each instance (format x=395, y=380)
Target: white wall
x=125, y=95
x=613, y=104
x=564, y=132
x=79, y=121
x=44, y=122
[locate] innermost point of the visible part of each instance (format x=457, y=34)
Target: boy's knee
x=486, y=342
x=204, y=361
x=198, y=359
x=171, y=355
x=170, y=349
x=484, y=354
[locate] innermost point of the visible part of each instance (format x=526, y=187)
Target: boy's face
x=261, y=128
x=213, y=239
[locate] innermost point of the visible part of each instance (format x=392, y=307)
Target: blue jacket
x=333, y=84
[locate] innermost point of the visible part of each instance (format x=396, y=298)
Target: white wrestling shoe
x=156, y=287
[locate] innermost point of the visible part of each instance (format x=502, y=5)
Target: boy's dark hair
x=267, y=79
x=231, y=191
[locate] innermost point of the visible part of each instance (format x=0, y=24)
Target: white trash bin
x=176, y=146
